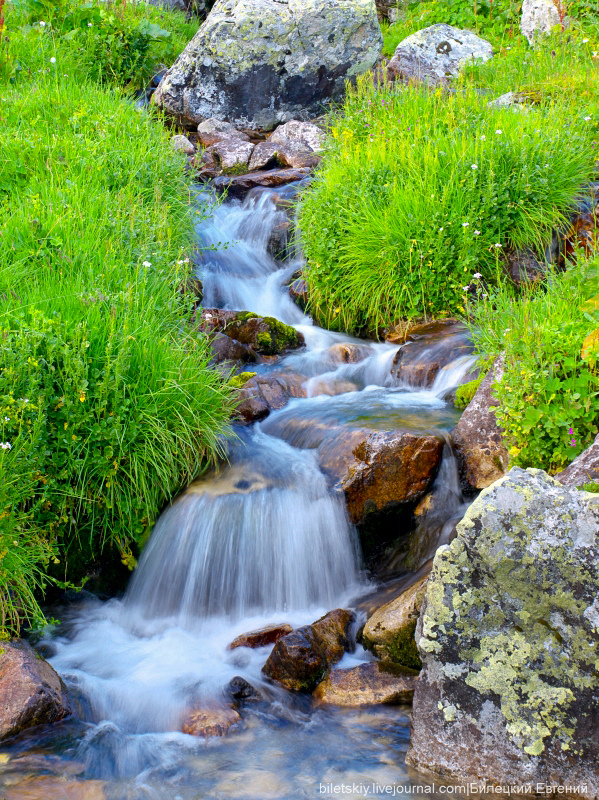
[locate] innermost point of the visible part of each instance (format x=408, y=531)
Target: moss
x=265, y=343
x=239, y=381
x=590, y=487
x=466, y=392
x=402, y=649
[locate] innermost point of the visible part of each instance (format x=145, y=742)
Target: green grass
x=106, y=399
x=419, y=191
x=549, y=394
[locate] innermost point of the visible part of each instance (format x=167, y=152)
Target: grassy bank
x=107, y=406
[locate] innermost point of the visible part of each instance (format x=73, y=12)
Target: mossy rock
x=466, y=392
x=239, y=381
x=265, y=335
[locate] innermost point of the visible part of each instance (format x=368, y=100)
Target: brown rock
x=299, y=292
x=240, y=185
x=300, y=659
x=427, y=350
x=211, y=131
x=49, y=787
x=210, y=721
x=523, y=266
x=367, y=684
x=379, y=470
x=31, y=692
x=349, y=353
x=389, y=632
x=265, y=156
x=283, y=154
x=269, y=635
x=227, y=349
x=477, y=439
x=584, y=469
x=278, y=241
x=265, y=393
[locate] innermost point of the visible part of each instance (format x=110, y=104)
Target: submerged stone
x=210, y=721
x=509, y=639
x=366, y=685
x=261, y=637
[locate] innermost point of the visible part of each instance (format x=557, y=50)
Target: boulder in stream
x=509, y=637
x=428, y=349
x=239, y=185
x=300, y=660
x=435, y=55
x=232, y=155
x=262, y=637
x=263, y=336
x=478, y=440
x=31, y=692
x=257, y=63
x=265, y=393
x=389, y=632
x=212, y=130
x=380, y=470
x=210, y=721
x=367, y=684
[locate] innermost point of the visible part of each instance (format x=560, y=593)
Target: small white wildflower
x=440, y=230
x=477, y=233
x=25, y=399
x=586, y=119
x=498, y=244
x=466, y=288
x=53, y=60
x=485, y=294
x=584, y=41
x=465, y=224
x=474, y=166
x=89, y=25
x=498, y=132
x=477, y=275
x=146, y=264
x=6, y=445
x=507, y=330
x=6, y=419
x=483, y=138
x=42, y=24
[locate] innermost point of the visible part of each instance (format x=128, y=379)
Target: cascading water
x=260, y=541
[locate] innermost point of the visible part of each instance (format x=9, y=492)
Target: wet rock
x=509, y=635
x=50, y=787
x=367, y=684
x=524, y=267
x=278, y=242
x=287, y=154
x=31, y=693
x=212, y=320
x=299, y=292
x=477, y=439
x=538, y=18
x=211, y=131
x=389, y=632
x=427, y=350
x=243, y=692
x=257, y=63
x=380, y=470
x=262, y=637
x=232, y=155
x=349, y=353
x=265, y=335
x=265, y=393
x=240, y=185
x=299, y=133
x=584, y=469
x=435, y=55
x=226, y=349
x=210, y=721
x=300, y=659
x=183, y=144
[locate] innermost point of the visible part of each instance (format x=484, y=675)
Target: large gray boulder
x=538, y=18
x=584, y=469
x=257, y=63
x=509, y=639
x=435, y=55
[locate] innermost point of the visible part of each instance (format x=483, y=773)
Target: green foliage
x=419, y=191
x=106, y=399
x=591, y=487
x=549, y=394
x=466, y=392
x=116, y=44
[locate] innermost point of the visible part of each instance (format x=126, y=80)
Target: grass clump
x=420, y=191
x=549, y=394
x=107, y=404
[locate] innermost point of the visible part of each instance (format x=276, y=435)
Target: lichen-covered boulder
x=212, y=130
x=509, y=639
x=478, y=439
x=257, y=63
x=538, y=17
x=584, y=469
x=232, y=155
x=299, y=133
x=435, y=55
x=389, y=631
x=31, y=692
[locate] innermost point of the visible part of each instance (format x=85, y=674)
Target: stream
x=264, y=540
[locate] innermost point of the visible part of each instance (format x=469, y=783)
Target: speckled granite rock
x=257, y=63
x=538, y=17
x=509, y=639
x=584, y=469
x=436, y=54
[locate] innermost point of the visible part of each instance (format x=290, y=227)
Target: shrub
x=421, y=190
x=549, y=394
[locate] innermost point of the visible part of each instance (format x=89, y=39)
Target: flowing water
x=264, y=540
